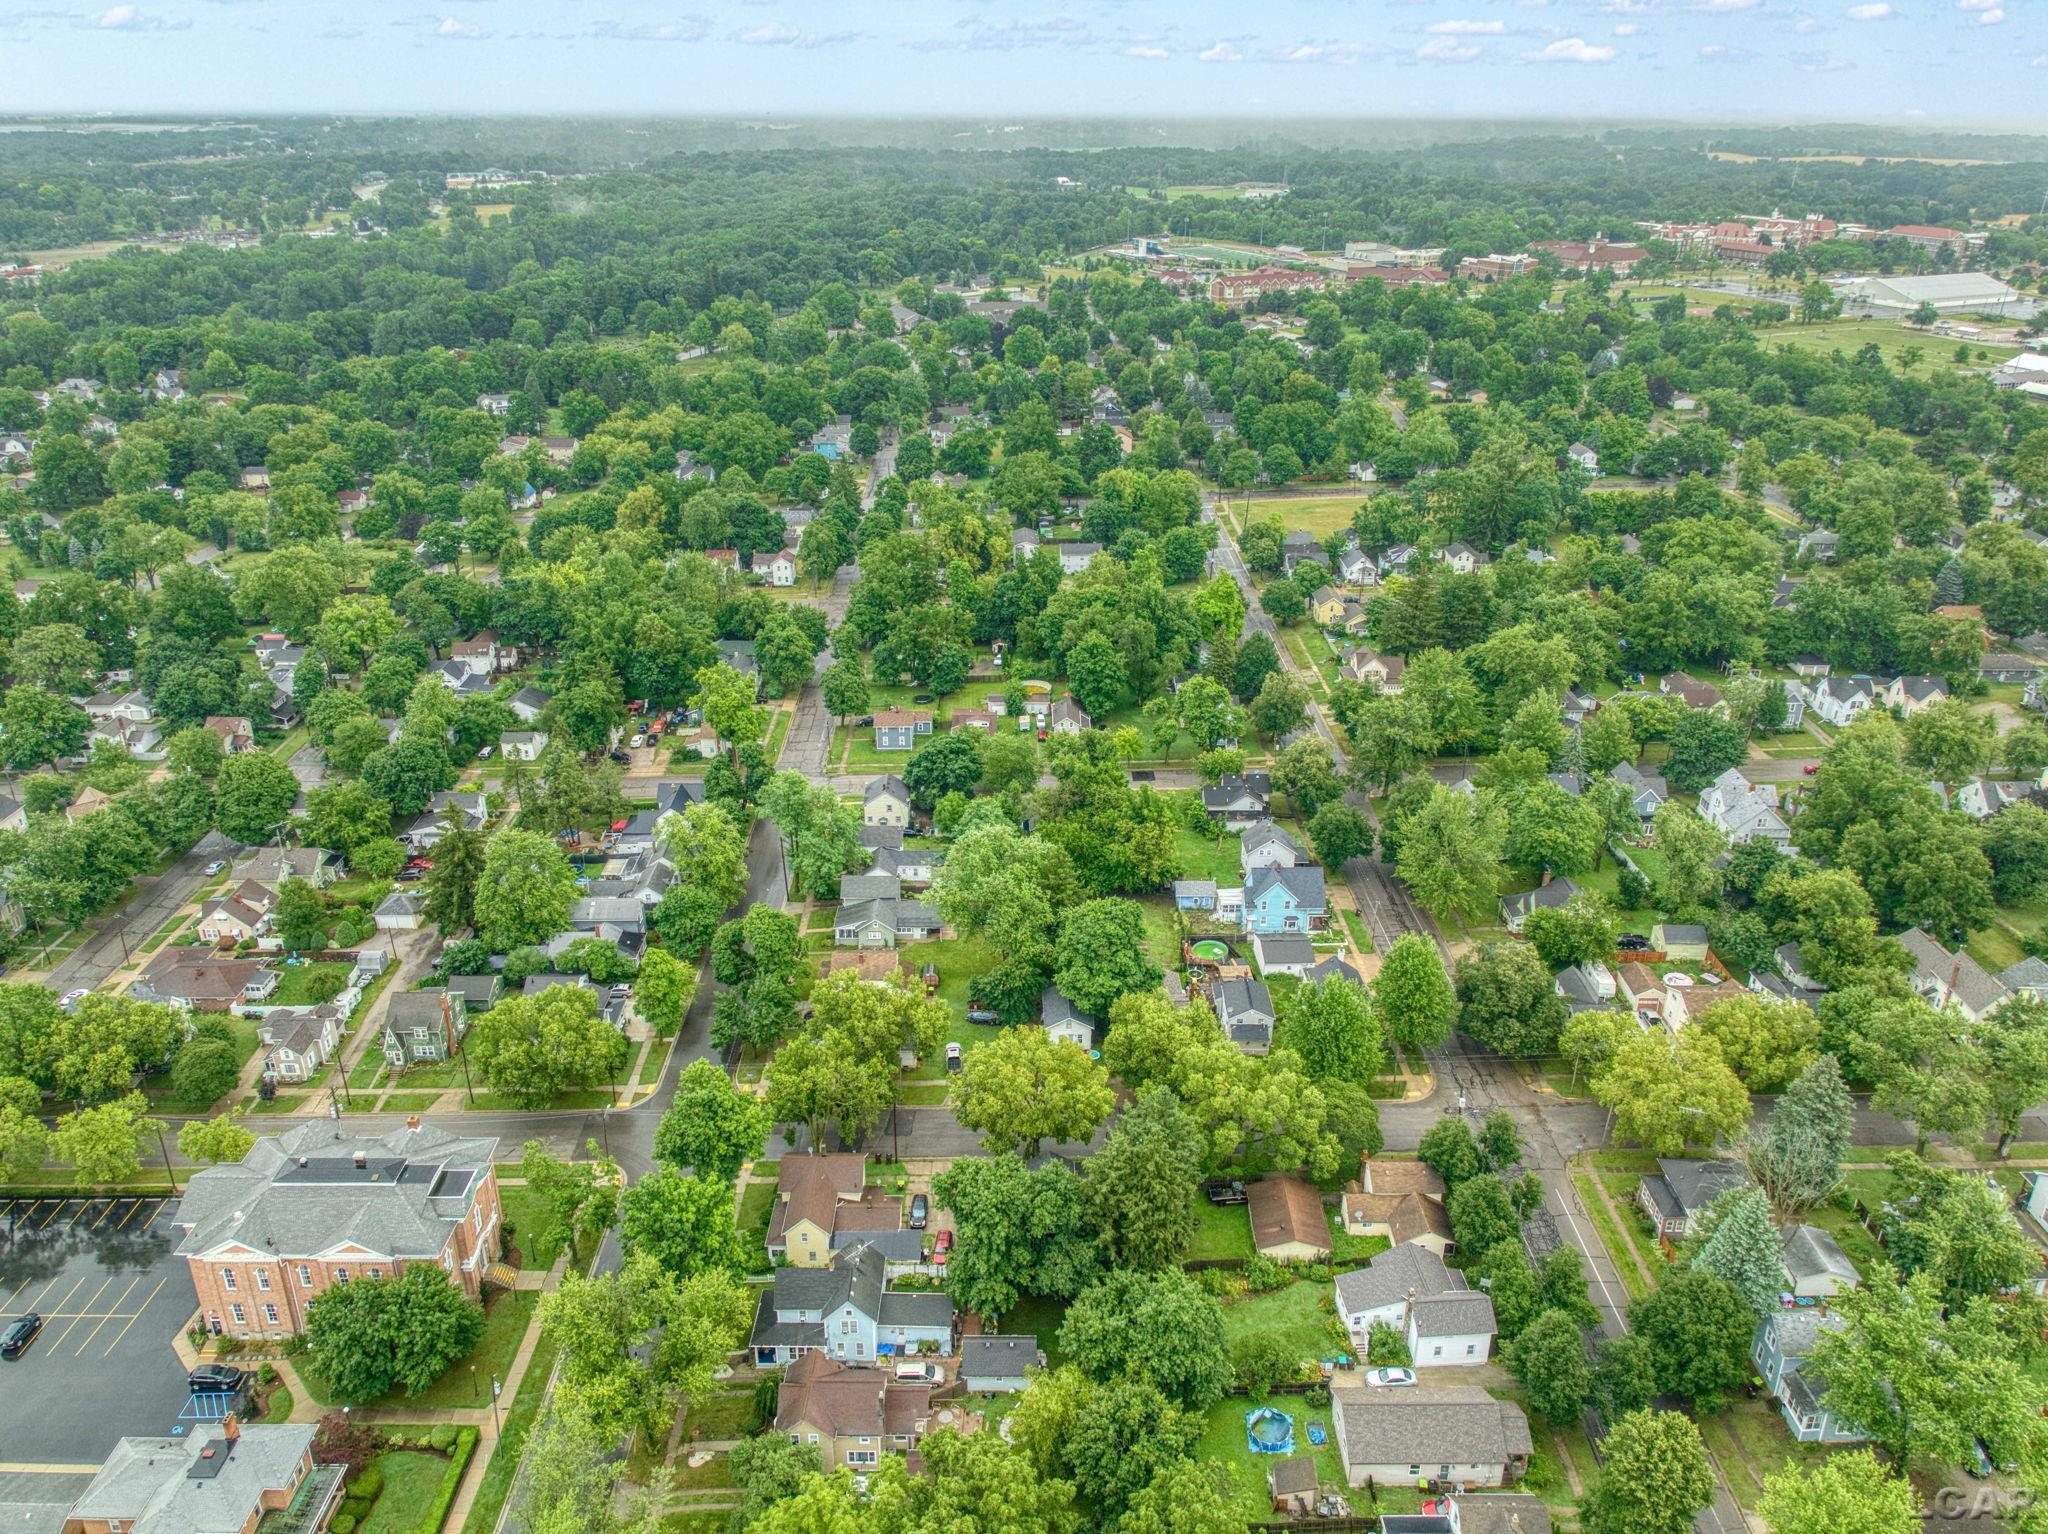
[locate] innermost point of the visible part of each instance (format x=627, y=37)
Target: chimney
x=412, y=1121
x=230, y=1429
x=362, y=1158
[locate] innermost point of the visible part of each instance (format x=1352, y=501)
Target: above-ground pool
x=1212, y=949
x=1268, y=1430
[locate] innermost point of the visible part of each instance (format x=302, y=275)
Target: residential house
x=447, y=812
x=1238, y=799
x=1981, y=798
x=1578, y=705
x=1289, y=1223
x=1245, y=1009
x=1587, y=987
x=1943, y=978
x=2028, y=978
x=869, y=886
x=1063, y=1021
x=1646, y=790
x=886, y=802
x=1672, y=999
x=1396, y=560
x=484, y=654
x=13, y=814
x=1194, y=894
x=998, y=1364
x=129, y=707
x=1409, y=1288
x=883, y=923
x=1910, y=694
x=477, y=993
x=913, y=865
x=1744, y=811
x=317, y=1205
x=1402, y=1201
x=1326, y=606
x=194, y=979
x=1333, y=968
x=1463, y=558
x=494, y=404
x=1690, y=690
x=1283, y=953
x=529, y=703
x=779, y=569
x=1840, y=699
x=1680, y=940
x=423, y=1027
x=1299, y=548
x=1679, y=1191
x=2005, y=666
x=234, y=732
x=1779, y=1350
x=1498, y=1512
x=1819, y=545
x=1355, y=567
x=1076, y=557
x=297, y=1041
x=1456, y=1435
x=738, y=655
x=274, y=865
x=256, y=477
x=241, y=915
x=522, y=745
x=846, y=1311
x=1285, y=900
x=810, y=1191
x=221, y=1476
x=897, y=729
x=852, y=1414
x=1809, y=667
x=1265, y=844
x=1024, y=542
x=1515, y=909
x=1066, y=717
x=1585, y=457
x=1815, y=1264
x=1382, y=671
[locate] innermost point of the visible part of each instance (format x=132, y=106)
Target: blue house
x=1779, y=1352
x=1195, y=894
x=1285, y=900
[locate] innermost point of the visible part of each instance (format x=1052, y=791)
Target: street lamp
x=497, y=1428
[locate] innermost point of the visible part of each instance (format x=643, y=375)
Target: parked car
x=920, y=1211
x=215, y=867
x=637, y=742
x=71, y=1000
x=1810, y=768
x=918, y=1374
x=981, y=1015
x=21, y=1331
x=618, y=756
x=1632, y=942
x=953, y=1058
x=942, y=1243
x=216, y=1380
x=486, y=753
x=1224, y=1190
x=1385, y=1378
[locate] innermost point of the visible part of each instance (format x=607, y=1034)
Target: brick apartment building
x=1243, y=287
x=318, y=1205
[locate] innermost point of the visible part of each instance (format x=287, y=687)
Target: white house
x=886, y=802
x=1064, y=1022
x=1840, y=699
x=1744, y=811
x=522, y=745
x=779, y=569
x=1409, y=1288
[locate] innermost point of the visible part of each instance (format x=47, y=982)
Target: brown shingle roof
x=1384, y=1176
x=1286, y=1209
x=1406, y=1215
x=832, y=1397
x=810, y=1188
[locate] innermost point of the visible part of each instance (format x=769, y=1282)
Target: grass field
x=1295, y=1315
x=412, y=1482
x=1222, y=1443
x=1224, y=1232
x=1318, y=514
x=1208, y=856
x=1937, y=353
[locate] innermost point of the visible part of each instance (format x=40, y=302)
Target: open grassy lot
x=1318, y=514
x=523, y=1213
x=1224, y=1232
x=1295, y=1315
x=294, y=987
x=1036, y=1316
x=1208, y=856
x=1162, y=929
x=1892, y=338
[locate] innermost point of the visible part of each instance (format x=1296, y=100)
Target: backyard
x=1225, y=1232
x=1294, y=1315
x=467, y=1381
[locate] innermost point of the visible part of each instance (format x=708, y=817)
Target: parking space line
x=160, y=1208
x=84, y=1312
x=112, y=1205
x=133, y=1210
x=87, y=1205
x=134, y=1318
x=54, y=1213
x=12, y=1298
x=112, y=1313
x=38, y=1305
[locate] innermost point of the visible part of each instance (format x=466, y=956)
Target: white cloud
x=776, y=34
x=117, y=16
x=691, y=29
x=1877, y=10
x=2040, y=61
x=1448, y=50
x=1725, y=53
x=1722, y=6
x=1992, y=17
x=1976, y=5
x=1627, y=29
x=1805, y=26
x=450, y=27
x=1324, y=53
x=1146, y=51
x=1221, y=53
x=1571, y=50
x=1468, y=28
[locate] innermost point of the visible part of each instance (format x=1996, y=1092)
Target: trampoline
x=1268, y=1430
x=1213, y=949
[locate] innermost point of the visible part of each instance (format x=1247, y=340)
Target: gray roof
x=1683, y=932
x=999, y=1357
x=1391, y=1277
x=916, y=1309
x=1696, y=1184
x=1637, y=781
x=1241, y=999
x=893, y=1245
x=415, y=1009
x=1455, y=1313
x=401, y=903
x=875, y=838
x=1304, y=883
x=1429, y=1425
x=2030, y=974
x=895, y=915
x=887, y=783
x=854, y=888
x=1544, y=897
x=475, y=989
x=1184, y=889
x=1967, y=980
x=1259, y=833
x=1055, y=1008
x=1286, y=948
x=1795, y=1329
x=303, y=1191
x=856, y=1277
x=1334, y=968
x=1811, y=1252
x=199, y=1484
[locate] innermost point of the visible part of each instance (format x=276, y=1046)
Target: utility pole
x=166, y=1149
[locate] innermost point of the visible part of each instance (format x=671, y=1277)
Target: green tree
x=1448, y=1149
x=534, y=1047
x=1101, y=955
x=1667, y=1093
x=1450, y=852
x=1506, y=1001
x=685, y=1223
x=1549, y=1358
x=1021, y=1231
x=205, y=1071
x=710, y=1127
x=1334, y=1030
x=103, y=1144
x=1690, y=847
x=1654, y=1477
x=215, y=1140
x=1743, y=1247
x=845, y=688
x=253, y=793
x=1796, y=1157
x=1339, y=833
x=579, y=1200
x=375, y=1335
x=524, y=891
x=1699, y=1331
x=1850, y=1492
x=1140, y=1188
x=1414, y=994
x=300, y=915
x=1164, y=1325
x=663, y=990
x=1025, y=1087
x=1766, y=1043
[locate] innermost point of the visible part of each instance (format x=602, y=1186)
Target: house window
x=376, y=1272
x=305, y=1276
x=341, y=1275
x=1415, y=1470
x=1471, y=1348
x=270, y=1315
x=812, y=1438
x=860, y=1456
x=860, y=1350
x=237, y=1313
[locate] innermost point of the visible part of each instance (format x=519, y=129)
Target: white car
x=71, y=999
x=1385, y=1378
x=485, y=754
x=638, y=741
x=214, y=867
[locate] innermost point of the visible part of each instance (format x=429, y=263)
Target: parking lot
x=101, y=1273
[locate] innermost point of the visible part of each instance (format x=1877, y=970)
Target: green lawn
x=1162, y=929
x=505, y=1320
x=412, y=1484
x=1318, y=514
x=294, y=988
x=1039, y=1317
x=756, y=1201
x=1207, y=856
x=1610, y=1235
x=1223, y=1443
x=1892, y=338
x=497, y=1481
x=1296, y=1315
x=523, y=1212
x=1350, y=1249
x=1225, y=1231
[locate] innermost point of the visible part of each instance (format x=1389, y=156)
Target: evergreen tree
x=1949, y=587
x=1742, y=1247
x=1797, y=1157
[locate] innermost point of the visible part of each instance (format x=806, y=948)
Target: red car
x=1810, y=768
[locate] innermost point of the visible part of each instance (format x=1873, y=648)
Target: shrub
x=1631, y=889
x=367, y=1484
x=344, y=1523
x=339, y=1440
x=1386, y=1348
x=1264, y=1274
x=1259, y=1361
x=442, y=1438
x=266, y=1374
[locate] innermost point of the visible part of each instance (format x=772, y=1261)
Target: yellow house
x=808, y=1193
x=1327, y=606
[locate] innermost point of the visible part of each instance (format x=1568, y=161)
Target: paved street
x=157, y=898
x=805, y=749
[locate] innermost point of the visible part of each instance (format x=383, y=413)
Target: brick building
x=1243, y=287
x=1597, y=254
x=319, y=1205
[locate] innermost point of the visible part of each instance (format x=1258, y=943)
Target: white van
x=918, y=1374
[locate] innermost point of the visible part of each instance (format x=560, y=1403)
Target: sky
x=1962, y=61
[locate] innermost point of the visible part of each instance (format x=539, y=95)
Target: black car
x=1632, y=942
x=920, y=1211
x=216, y=1380
x=21, y=1331
x=1224, y=1190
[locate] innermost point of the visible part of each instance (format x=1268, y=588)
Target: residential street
x=115, y=938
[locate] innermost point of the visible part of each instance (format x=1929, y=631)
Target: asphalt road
x=157, y=898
